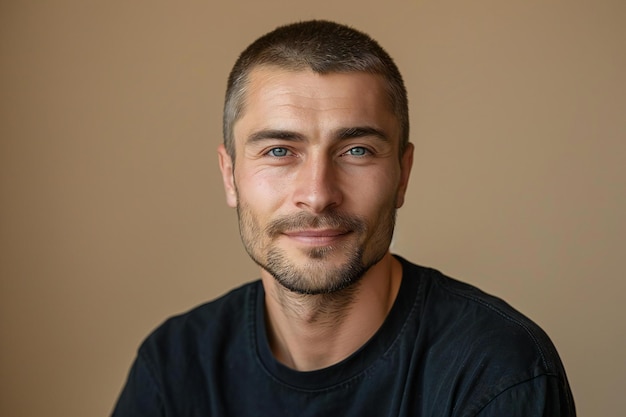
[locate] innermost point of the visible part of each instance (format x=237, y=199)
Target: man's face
x=317, y=178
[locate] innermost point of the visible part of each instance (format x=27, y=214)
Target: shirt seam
x=506, y=316
x=509, y=388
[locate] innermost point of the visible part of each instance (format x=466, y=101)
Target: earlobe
x=226, y=166
x=406, y=163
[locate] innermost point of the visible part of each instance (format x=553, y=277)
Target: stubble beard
x=321, y=273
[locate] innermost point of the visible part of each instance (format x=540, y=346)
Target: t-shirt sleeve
x=542, y=396
x=140, y=396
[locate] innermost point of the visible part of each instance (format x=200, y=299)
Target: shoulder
x=176, y=359
x=221, y=318
x=489, y=323
x=452, y=311
x=478, y=346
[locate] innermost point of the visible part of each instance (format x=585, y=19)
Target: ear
x=406, y=163
x=227, y=168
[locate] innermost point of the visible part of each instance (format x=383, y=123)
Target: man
x=316, y=160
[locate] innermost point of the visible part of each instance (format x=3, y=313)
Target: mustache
x=304, y=220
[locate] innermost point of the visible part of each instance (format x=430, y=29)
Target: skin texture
x=317, y=181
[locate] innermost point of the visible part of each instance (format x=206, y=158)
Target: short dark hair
x=323, y=47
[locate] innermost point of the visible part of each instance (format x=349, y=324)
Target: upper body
x=446, y=349
x=316, y=160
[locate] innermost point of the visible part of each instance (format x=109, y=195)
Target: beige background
x=112, y=214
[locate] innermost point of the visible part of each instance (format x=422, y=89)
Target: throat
x=307, y=332
x=320, y=310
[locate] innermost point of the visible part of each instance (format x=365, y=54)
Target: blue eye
x=357, y=151
x=278, y=152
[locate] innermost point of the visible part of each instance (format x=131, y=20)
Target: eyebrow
x=274, y=134
x=340, y=134
x=361, y=131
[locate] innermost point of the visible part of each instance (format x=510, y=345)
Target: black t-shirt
x=445, y=349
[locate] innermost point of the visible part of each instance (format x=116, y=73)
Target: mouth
x=317, y=237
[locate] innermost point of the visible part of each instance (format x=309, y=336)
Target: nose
x=316, y=185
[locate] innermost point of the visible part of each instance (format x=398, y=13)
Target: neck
x=308, y=332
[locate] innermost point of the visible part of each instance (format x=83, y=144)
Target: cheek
x=375, y=192
x=261, y=191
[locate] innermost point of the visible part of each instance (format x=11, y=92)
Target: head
x=323, y=47
x=316, y=114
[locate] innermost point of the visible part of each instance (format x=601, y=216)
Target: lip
x=316, y=236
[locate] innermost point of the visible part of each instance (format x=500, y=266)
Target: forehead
x=280, y=98
x=269, y=82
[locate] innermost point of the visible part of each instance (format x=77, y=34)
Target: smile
x=317, y=237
